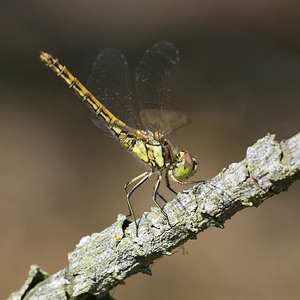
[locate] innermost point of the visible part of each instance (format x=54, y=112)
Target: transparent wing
x=166, y=120
x=154, y=76
x=109, y=82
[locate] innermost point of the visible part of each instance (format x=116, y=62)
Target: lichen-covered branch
x=103, y=260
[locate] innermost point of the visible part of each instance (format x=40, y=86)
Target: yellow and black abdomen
x=95, y=105
x=155, y=151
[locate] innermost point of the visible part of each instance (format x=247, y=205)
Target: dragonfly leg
x=168, y=183
x=185, y=182
x=161, y=197
x=142, y=178
x=157, y=183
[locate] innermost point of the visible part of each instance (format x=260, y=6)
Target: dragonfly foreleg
x=161, y=197
x=157, y=183
x=142, y=178
x=168, y=182
x=183, y=181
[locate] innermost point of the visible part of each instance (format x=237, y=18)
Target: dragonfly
x=142, y=126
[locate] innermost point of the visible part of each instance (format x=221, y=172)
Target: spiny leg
x=157, y=183
x=142, y=178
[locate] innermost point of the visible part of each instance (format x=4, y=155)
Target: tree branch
x=103, y=260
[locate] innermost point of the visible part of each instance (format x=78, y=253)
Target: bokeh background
x=61, y=178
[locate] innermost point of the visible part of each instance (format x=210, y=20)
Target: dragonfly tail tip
x=44, y=56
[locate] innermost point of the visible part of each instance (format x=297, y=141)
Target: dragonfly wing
x=167, y=120
x=154, y=76
x=109, y=82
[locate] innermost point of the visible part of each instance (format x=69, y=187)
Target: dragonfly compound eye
x=185, y=167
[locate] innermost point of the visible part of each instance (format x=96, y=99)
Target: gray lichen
x=103, y=260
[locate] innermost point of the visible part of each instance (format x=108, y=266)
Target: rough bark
x=103, y=260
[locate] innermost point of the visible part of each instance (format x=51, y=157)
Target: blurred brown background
x=61, y=178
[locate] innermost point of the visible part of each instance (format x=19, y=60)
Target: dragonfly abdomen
x=95, y=105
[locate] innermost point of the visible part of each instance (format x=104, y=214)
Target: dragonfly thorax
x=156, y=153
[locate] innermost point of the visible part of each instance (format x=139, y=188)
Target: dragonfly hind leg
x=142, y=178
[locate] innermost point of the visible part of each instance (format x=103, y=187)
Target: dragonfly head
x=185, y=166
